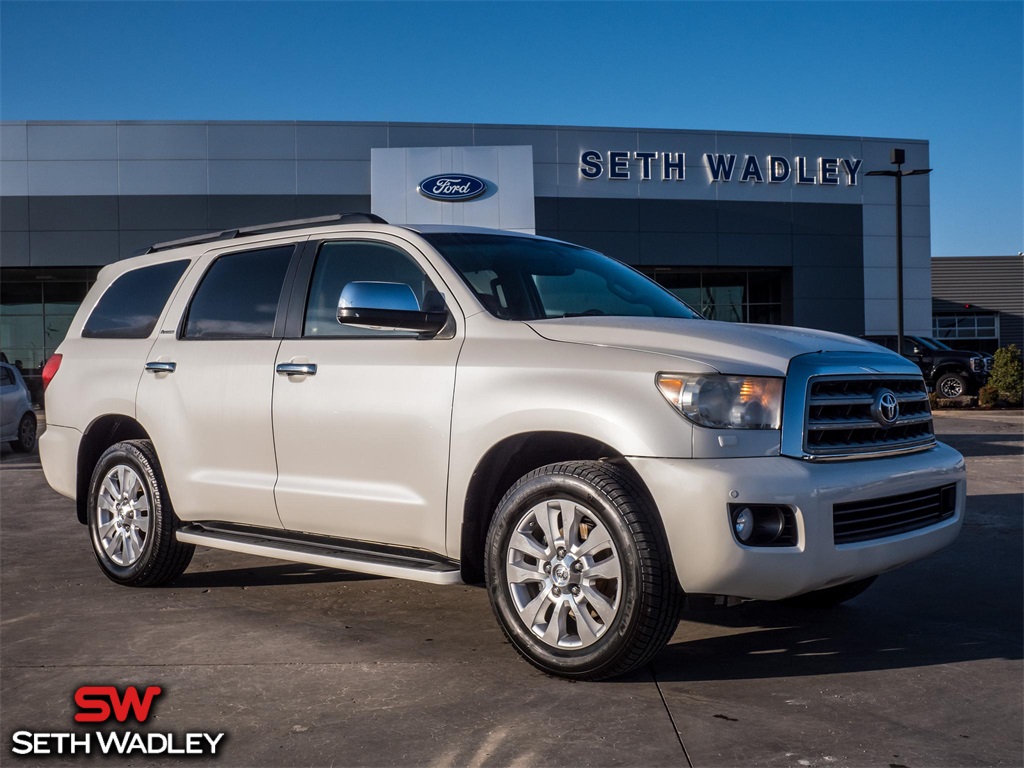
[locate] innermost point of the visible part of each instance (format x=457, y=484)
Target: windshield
x=935, y=343
x=920, y=341
x=520, y=278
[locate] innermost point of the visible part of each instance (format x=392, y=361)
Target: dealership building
x=749, y=227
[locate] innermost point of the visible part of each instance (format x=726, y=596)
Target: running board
x=344, y=556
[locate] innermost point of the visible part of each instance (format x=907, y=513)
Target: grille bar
x=865, y=423
x=906, y=514
x=875, y=519
x=840, y=421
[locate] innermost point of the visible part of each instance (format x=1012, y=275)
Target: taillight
x=50, y=370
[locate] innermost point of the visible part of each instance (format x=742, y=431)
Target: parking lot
x=305, y=666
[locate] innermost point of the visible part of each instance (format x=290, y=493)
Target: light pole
x=897, y=157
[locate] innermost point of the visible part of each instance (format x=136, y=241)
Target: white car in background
x=17, y=419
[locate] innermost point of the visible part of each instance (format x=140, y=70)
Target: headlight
x=977, y=364
x=725, y=402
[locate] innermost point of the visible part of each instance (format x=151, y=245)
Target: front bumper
x=693, y=497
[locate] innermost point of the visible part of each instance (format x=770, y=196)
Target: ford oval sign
x=452, y=187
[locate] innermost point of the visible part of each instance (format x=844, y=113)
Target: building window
x=975, y=332
x=36, y=309
x=735, y=296
x=966, y=326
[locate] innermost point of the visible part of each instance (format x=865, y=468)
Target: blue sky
x=948, y=72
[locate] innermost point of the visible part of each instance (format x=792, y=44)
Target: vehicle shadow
x=962, y=605
x=789, y=642
x=266, y=576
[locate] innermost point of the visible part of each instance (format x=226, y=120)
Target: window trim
x=282, y=299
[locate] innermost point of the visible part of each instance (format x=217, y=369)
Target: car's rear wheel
x=131, y=521
x=951, y=385
x=579, y=573
x=26, y=439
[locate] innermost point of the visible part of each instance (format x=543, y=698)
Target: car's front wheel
x=579, y=573
x=951, y=385
x=131, y=522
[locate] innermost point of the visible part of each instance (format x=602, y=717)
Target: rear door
x=206, y=396
x=362, y=443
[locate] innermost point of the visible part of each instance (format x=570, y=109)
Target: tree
x=1008, y=374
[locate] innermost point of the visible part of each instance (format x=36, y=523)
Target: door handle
x=297, y=369
x=154, y=367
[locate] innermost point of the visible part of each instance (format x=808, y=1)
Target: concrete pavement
x=305, y=666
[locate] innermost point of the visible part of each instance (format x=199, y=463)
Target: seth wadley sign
x=671, y=166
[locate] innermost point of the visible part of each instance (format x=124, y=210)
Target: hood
x=730, y=348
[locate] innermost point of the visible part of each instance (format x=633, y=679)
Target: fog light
x=743, y=524
x=763, y=525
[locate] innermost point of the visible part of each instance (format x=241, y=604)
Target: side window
x=239, y=296
x=6, y=378
x=130, y=306
x=341, y=263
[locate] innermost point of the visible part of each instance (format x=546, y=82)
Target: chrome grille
x=839, y=421
x=892, y=515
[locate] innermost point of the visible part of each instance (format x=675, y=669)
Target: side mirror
x=388, y=306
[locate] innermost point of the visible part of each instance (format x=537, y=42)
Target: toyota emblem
x=886, y=408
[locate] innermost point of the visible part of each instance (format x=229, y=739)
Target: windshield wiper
x=587, y=313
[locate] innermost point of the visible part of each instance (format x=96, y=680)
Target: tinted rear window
x=239, y=296
x=129, y=308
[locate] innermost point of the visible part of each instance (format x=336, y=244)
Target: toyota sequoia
x=459, y=405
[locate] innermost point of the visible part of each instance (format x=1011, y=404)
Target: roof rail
x=262, y=229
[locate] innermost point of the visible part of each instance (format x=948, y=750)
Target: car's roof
x=300, y=227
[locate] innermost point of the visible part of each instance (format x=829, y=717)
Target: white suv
x=463, y=405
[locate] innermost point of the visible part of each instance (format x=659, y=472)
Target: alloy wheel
x=122, y=515
x=564, y=574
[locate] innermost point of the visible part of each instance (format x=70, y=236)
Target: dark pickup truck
x=949, y=372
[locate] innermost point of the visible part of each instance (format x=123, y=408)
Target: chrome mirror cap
x=389, y=306
x=374, y=295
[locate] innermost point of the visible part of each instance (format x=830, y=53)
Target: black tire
x=647, y=597
x=156, y=556
x=26, y=434
x=951, y=385
x=832, y=596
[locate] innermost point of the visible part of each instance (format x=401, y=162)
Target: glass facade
x=735, y=296
x=36, y=309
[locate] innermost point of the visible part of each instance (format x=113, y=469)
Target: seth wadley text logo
x=103, y=704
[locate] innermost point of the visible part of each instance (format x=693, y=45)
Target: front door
x=362, y=443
